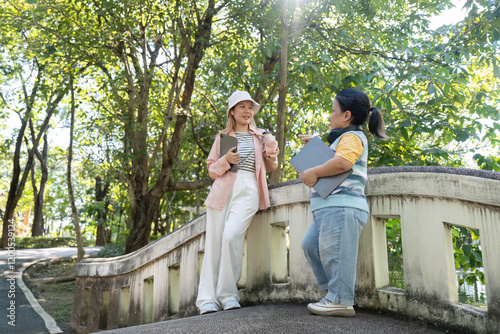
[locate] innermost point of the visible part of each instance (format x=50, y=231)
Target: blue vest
x=351, y=192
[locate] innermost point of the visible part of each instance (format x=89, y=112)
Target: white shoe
x=208, y=308
x=328, y=308
x=231, y=305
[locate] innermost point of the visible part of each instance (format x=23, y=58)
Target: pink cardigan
x=266, y=150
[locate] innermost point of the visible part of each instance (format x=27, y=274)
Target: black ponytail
x=358, y=104
x=376, y=124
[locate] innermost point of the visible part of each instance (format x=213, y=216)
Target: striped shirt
x=247, y=151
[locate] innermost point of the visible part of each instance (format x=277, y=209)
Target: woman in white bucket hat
x=233, y=200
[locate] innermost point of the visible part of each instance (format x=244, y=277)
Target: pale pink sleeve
x=216, y=165
x=270, y=152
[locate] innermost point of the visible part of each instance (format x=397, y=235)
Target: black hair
x=358, y=103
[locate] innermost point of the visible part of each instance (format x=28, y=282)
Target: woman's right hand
x=305, y=138
x=233, y=157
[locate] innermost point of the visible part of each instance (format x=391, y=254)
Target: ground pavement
x=282, y=318
x=20, y=312
x=30, y=318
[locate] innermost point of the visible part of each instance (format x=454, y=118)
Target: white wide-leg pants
x=225, y=234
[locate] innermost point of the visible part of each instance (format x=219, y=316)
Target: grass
x=55, y=298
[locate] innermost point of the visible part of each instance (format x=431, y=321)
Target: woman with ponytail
x=331, y=242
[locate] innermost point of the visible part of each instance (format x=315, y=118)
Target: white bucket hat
x=239, y=96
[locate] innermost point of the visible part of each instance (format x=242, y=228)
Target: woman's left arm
x=334, y=166
x=349, y=149
x=270, y=152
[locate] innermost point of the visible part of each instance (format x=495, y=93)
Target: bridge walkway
x=283, y=318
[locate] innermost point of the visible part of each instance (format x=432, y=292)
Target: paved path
x=17, y=304
x=282, y=318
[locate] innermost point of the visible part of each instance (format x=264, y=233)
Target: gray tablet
x=316, y=153
x=227, y=142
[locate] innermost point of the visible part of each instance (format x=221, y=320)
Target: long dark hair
x=358, y=103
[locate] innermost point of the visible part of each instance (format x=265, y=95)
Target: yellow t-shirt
x=350, y=147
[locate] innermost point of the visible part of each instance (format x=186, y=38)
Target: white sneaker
x=231, y=305
x=208, y=308
x=328, y=308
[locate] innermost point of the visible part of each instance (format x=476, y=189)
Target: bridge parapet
x=159, y=281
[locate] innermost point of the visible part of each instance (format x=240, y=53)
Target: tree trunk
x=119, y=224
x=283, y=90
x=157, y=218
x=109, y=228
x=37, y=229
x=145, y=201
x=143, y=212
x=14, y=191
x=74, y=212
x=17, y=186
x=100, y=239
x=100, y=194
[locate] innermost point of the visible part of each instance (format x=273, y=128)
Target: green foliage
x=438, y=89
x=395, y=253
x=468, y=254
x=394, y=244
x=469, y=264
x=112, y=251
x=487, y=162
x=121, y=233
x=419, y=77
x=476, y=299
x=47, y=242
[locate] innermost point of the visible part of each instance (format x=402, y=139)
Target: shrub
x=47, y=242
x=112, y=251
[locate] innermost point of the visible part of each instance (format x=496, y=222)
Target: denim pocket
x=361, y=217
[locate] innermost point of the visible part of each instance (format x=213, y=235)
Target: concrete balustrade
x=159, y=281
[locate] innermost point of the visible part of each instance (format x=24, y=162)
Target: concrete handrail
x=159, y=281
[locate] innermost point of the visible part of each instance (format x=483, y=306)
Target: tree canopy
x=152, y=79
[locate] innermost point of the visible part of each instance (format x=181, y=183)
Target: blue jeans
x=331, y=247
